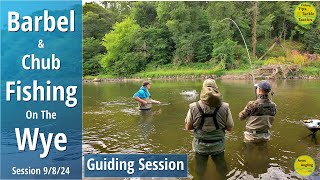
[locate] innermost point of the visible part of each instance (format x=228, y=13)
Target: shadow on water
x=112, y=124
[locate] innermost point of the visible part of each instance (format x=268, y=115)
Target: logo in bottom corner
x=304, y=165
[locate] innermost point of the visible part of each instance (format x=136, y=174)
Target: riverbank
x=223, y=77
x=180, y=74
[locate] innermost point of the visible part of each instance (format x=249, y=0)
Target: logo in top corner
x=305, y=14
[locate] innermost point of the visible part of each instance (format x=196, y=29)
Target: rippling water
x=112, y=124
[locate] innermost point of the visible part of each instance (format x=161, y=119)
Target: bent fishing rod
x=244, y=41
x=253, y=79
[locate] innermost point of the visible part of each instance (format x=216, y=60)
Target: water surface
x=112, y=124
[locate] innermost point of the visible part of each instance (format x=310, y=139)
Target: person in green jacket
x=209, y=118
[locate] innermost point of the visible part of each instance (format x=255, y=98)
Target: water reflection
x=219, y=161
x=145, y=123
x=256, y=157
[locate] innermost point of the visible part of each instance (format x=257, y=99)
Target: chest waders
x=259, y=118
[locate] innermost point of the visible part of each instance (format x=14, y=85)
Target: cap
x=265, y=85
x=210, y=83
x=146, y=83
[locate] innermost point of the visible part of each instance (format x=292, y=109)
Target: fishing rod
x=253, y=78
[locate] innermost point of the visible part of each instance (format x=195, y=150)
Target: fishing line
x=253, y=79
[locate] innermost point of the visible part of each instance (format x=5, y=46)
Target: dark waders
x=219, y=161
x=256, y=157
x=217, y=157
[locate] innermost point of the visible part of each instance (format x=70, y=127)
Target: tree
x=93, y=26
x=92, y=54
x=140, y=34
x=125, y=52
x=158, y=44
x=92, y=47
x=225, y=52
x=119, y=9
x=222, y=29
x=311, y=38
x=144, y=13
x=92, y=66
x=96, y=21
x=254, y=27
x=188, y=24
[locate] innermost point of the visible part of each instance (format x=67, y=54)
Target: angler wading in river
x=144, y=98
x=259, y=115
x=209, y=118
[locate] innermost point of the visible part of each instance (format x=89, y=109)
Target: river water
x=112, y=124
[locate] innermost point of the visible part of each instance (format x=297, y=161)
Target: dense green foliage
x=124, y=53
x=125, y=38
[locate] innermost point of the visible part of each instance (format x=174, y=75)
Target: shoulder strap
x=215, y=121
x=201, y=113
x=199, y=108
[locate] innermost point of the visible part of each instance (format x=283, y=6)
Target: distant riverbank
x=223, y=77
x=202, y=71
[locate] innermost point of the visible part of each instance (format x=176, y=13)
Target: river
x=112, y=124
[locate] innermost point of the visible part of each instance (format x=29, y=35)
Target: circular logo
x=304, y=165
x=305, y=13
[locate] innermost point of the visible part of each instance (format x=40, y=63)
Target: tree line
x=123, y=38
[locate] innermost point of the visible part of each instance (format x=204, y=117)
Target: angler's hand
x=144, y=103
